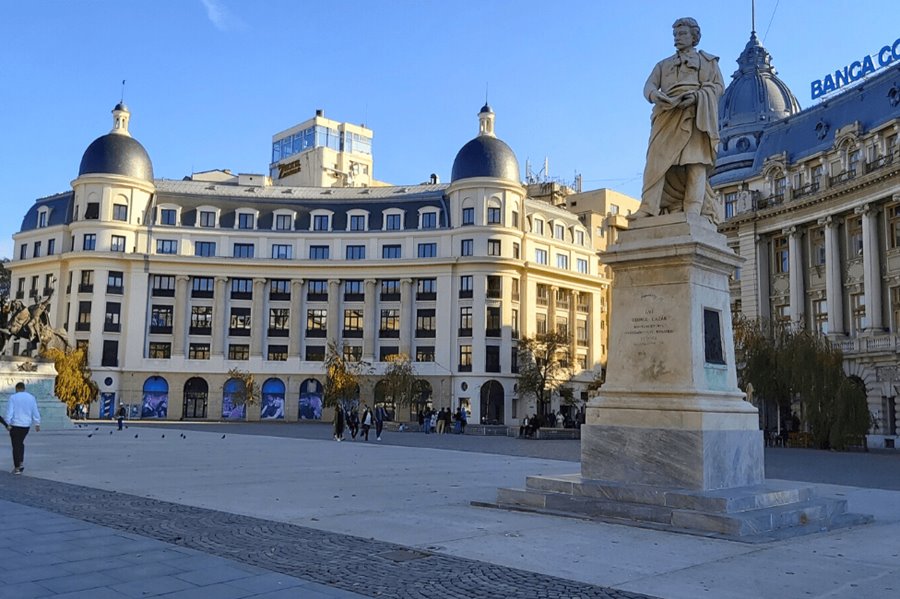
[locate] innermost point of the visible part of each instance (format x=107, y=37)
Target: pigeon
x=110, y=432
x=223, y=436
x=135, y=436
x=91, y=435
x=163, y=436
x=97, y=429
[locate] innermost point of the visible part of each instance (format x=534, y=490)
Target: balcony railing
x=842, y=177
x=861, y=345
x=881, y=162
x=808, y=189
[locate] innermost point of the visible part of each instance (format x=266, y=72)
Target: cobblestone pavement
x=364, y=566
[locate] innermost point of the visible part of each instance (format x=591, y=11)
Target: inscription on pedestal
x=648, y=328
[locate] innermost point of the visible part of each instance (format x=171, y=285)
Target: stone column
x=525, y=317
x=296, y=319
x=763, y=257
x=551, y=309
x=834, y=292
x=573, y=326
x=871, y=267
x=220, y=310
x=797, y=291
x=334, y=316
x=406, y=318
x=258, y=317
x=370, y=321
x=178, y=318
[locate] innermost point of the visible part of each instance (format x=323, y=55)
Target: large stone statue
x=30, y=323
x=684, y=90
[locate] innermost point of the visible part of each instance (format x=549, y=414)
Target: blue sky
x=210, y=81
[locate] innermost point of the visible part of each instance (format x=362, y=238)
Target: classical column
x=573, y=326
x=763, y=302
x=178, y=319
x=526, y=307
x=334, y=317
x=871, y=267
x=551, y=309
x=406, y=319
x=297, y=318
x=220, y=310
x=798, y=294
x=834, y=293
x=370, y=321
x=258, y=318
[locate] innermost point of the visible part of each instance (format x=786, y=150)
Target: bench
x=552, y=433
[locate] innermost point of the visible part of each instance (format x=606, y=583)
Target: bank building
x=812, y=204
x=170, y=284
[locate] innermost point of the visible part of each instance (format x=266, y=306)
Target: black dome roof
x=117, y=154
x=485, y=156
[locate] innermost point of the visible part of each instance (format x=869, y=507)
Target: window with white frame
x=493, y=215
x=284, y=222
x=321, y=222
x=537, y=227
x=357, y=222
x=246, y=220
x=540, y=256
x=562, y=261
x=820, y=315
x=166, y=246
x=393, y=222
x=429, y=220
x=282, y=251
x=207, y=219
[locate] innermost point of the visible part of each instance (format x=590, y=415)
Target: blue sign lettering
x=855, y=70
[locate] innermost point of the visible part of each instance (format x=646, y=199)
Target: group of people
x=530, y=424
x=358, y=424
x=443, y=421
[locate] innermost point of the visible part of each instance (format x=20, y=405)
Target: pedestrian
x=440, y=422
x=380, y=417
x=120, y=415
x=366, y=422
x=448, y=420
x=21, y=413
x=84, y=411
x=463, y=420
x=353, y=423
x=338, y=423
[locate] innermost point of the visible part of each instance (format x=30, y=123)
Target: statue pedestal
x=39, y=382
x=669, y=441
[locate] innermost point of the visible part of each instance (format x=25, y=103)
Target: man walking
x=120, y=415
x=21, y=413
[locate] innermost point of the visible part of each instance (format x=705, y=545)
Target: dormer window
x=321, y=222
x=42, y=218
x=284, y=222
x=429, y=220
x=167, y=216
x=393, y=222
x=538, y=227
x=357, y=221
x=246, y=221
x=559, y=231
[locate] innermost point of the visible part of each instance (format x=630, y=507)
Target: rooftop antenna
x=486, y=93
x=122, y=98
x=753, y=16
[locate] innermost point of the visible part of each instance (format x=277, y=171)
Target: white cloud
x=221, y=18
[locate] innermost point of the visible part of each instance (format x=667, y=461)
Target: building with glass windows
x=170, y=284
x=812, y=204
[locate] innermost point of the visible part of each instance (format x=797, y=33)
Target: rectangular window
x=425, y=353
x=858, y=311
x=37, y=249
x=514, y=323
x=317, y=290
x=581, y=332
x=494, y=287
x=166, y=246
x=241, y=288
x=579, y=237
x=893, y=213
x=493, y=247
x=515, y=220
x=320, y=222
x=201, y=320
x=538, y=227
x=84, y=317
x=514, y=360
x=89, y=242
x=352, y=353
x=492, y=323
x=284, y=222
x=318, y=252
x=111, y=322
x=160, y=350
x=205, y=249
x=167, y=216
x=817, y=246
x=390, y=252
x=493, y=215
x=517, y=250
x=392, y=222
x=277, y=353
x=246, y=221
x=278, y=322
x=466, y=283
x=120, y=212
x=23, y=251
x=240, y=321
x=202, y=286
x=562, y=261
x=390, y=323
x=562, y=325
x=315, y=353
x=387, y=353
x=163, y=286
x=540, y=256
x=465, y=321
x=117, y=243
x=895, y=308
x=543, y=295
x=559, y=231
x=353, y=323
x=207, y=219
x=465, y=358
x=282, y=251
x=390, y=290
x=427, y=250
x=782, y=257
x=198, y=351
x=426, y=289
x=730, y=203
x=426, y=323
x=468, y=216
x=243, y=250
x=42, y=219
x=465, y=247
x=356, y=252
x=353, y=291
x=492, y=358
x=51, y=247
x=110, y=353
x=357, y=222
x=429, y=220
x=161, y=319
x=820, y=315
x=316, y=322
x=540, y=321
x=854, y=236
x=581, y=265
x=238, y=351
x=115, y=283
x=279, y=290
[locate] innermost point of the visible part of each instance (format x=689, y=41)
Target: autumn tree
x=4, y=279
x=543, y=366
x=74, y=384
x=342, y=378
x=785, y=363
x=400, y=384
x=248, y=391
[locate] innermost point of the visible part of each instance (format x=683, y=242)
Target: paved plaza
x=280, y=510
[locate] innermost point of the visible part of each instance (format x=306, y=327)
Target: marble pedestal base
x=39, y=382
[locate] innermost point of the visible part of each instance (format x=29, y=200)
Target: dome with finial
x=117, y=153
x=486, y=155
x=755, y=98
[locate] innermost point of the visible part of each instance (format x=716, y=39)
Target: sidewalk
x=419, y=500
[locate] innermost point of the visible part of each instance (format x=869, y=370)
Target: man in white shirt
x=21, y=413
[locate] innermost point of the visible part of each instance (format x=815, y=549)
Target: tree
x=74, y=384
x=400, y=382
x=342, y=378
x=248, y=393
x=784, y=363
x=543, y=366
x=4, y=279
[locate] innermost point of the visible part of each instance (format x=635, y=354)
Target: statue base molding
x=39, y=379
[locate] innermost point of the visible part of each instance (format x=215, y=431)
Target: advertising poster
x=311, y=400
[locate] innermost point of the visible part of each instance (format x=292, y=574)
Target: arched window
x=311, y=398
x=233, y=408
x=155, y=400
x=196, y=395
x=272, y=401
